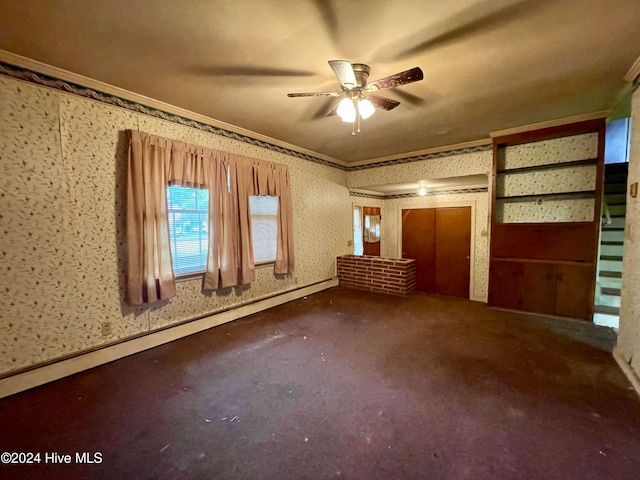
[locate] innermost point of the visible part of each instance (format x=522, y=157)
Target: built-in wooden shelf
x=546, y=267
x=548, y=166
x=541, y=260
x=576, y=194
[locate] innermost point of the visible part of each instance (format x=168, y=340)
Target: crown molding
x=634, y=72
x=44, y=75
x=551, y=123
x=75, y=80
x=392, y=196
x=420, y=153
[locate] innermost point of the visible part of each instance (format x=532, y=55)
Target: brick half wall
x=375, y=274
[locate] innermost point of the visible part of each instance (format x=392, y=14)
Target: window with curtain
x=358, y=246
x=264, y=227
x=169, y=229
x=188, y=211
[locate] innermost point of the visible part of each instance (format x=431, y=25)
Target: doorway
x=371, y=230
x=439, y=239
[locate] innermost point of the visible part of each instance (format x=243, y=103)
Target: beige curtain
x=155, y=163
x=254, y=177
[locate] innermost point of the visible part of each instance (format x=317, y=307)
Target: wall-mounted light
x=422, y=190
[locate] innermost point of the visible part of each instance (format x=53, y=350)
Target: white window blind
x=264, y=227
x=188, y=211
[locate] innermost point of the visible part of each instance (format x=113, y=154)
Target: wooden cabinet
x=538, y=287
x=574, y=290
x=553, y=289
x=505, y=281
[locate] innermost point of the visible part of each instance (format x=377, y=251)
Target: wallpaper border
x=410, y=195
x=425, y=156
x=31, y=76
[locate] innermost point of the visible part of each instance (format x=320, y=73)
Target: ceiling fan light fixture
x=366, y=108
x=347, y=110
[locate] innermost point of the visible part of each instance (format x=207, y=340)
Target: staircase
x=609, y=283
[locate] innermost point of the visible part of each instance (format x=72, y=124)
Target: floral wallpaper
x=571, y=179
x=557, y=150
x=554, y=180
x=629, y=335
x=62, y=194
x=442, y=167
x=546, y=210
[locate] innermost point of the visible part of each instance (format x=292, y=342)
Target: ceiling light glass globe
x=366, y=108
x=346, y=110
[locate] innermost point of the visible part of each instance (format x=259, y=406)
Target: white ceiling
x=488, y=65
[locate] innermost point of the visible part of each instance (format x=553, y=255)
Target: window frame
x=188, y=275
x=185, y=275
x=251, y=215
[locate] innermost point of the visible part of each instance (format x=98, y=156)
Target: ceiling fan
x=359, y=102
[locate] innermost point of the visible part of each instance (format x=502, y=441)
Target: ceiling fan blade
x=408, y=76
x=333, y=111
x=383, y=102
x=314, y=94
x=344, y=73
x=472, y=20
x=328, y=108
x=329, y=17
x=409, y=97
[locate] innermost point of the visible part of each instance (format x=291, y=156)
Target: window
x=264, y=227
x=616, y=143
x=358, y=246
x=188, y=212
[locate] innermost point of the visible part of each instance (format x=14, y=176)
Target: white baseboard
x=627, y=370
x=54, y=371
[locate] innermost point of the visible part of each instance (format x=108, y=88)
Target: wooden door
x=418, y=242
x=439, y=239
x=574, y=291
x=453, y=251
x=370, y=248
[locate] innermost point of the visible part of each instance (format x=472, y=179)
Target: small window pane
x=188, y=211
x=264, y=227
